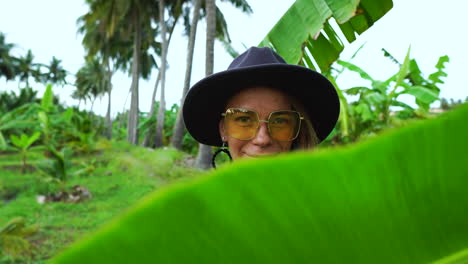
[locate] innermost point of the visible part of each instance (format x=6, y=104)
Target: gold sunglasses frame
x=265, y=121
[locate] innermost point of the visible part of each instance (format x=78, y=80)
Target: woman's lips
x=258, y=155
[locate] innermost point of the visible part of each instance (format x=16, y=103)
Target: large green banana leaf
x=304, y=36
x=397, y=198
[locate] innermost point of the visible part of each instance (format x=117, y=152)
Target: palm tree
x=89, y=84
x=146, y=140
x=130, y=20
x=140, y=16
x=7, y=61
x=56, y=73
x=27, y=68
x=132, y=132
x=158, y=141
x=147, y=61
x=175, y=11
x=97, y=42
x=204, y=152
x=222, y=35
x=80, y=93
x=179, y=125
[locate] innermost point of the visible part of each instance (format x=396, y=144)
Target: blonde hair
x=307, y=138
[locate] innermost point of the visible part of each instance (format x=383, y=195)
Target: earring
x=222, y=149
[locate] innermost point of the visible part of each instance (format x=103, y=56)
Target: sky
x=430, y=27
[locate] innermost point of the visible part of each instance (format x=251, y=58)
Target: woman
x=261, y=106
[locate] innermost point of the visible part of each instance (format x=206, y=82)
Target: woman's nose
x=262, y=138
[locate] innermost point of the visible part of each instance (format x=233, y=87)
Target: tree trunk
x=109, y=92
x=146, y=141
x=108, y=114
x=204, y=151
x=92, y=105
x=132, y=129
x=158, y=140
x=179, y=127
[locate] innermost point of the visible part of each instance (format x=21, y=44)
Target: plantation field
x=117, y=177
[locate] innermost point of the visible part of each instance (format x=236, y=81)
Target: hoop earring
x=222, y=149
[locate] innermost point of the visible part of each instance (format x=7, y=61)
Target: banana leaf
x=396, y=198
x=423, y=94
x=304, y=35
x=47, y=101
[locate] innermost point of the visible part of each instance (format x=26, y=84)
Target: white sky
x=433, y=28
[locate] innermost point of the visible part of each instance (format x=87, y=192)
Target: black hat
x=206, y=100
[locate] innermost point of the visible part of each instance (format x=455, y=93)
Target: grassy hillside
x=119, y=176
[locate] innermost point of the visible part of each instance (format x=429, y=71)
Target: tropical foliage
x=304, y=34
x=378, y=106
x=23, y=143
x=380, y=208
x=56, y=131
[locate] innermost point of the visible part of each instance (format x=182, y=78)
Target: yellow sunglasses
x=243, y=124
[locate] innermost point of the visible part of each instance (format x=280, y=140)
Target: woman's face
x=262, y=100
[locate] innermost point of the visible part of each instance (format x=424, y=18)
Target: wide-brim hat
x=206, y=100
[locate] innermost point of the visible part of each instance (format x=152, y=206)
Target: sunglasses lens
x=284, y=125
x=241, y=124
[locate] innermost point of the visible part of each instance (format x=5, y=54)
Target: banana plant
x=371, y=112
x=57, y=169
x=425, y=90
x=17, y=120
x=305, y=36
x=43, y=116
x=23, y=144
x=397, y=198
x=345, y=124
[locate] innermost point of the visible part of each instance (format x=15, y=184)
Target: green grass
x=123, y=175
